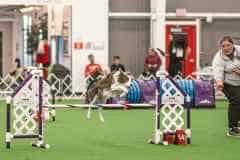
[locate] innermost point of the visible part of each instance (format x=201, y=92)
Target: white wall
x=17, y=42
x=7, y=44
x=90, y=24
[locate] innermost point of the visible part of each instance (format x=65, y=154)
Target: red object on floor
x=169, y=137
x=180, y=137
x=126, y=105
x=36, y=116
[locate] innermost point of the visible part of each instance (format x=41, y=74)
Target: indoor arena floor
x=124, y=136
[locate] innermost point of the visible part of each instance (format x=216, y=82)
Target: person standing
x=226, y=69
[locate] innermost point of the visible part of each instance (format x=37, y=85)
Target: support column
x=158, y=27
x=198, y=43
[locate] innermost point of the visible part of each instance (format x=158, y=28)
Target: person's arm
x=237, y=71
x=112, y=68
x=158, y=62
x=218, y=71
x=237, y=50
x=99, y=69
x=146, y=62
x=122, y=67
x=86, y=71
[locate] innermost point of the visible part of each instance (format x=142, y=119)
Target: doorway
x=181, y=49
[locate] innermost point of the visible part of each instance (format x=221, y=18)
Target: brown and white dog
x=112, y=85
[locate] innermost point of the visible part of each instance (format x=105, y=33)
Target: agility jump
x=31, y=99
x=169, y=113
x=29, y=104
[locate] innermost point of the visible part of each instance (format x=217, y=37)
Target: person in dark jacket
x=152, y=62
x=116, y=65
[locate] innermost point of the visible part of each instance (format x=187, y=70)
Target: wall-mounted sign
x=89, y=45
x=181, y=12
x=176, y=29
x=98, y=46
x=78, y=45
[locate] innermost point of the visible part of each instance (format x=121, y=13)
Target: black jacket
x=115, y=67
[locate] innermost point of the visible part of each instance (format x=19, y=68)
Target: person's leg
x=233, y=113
x=233, y=95
x=178, y=68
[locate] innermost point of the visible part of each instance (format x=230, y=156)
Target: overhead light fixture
x=209, y=19
x=29, y=9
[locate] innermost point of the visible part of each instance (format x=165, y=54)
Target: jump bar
x=111, y=105
x=69, y=106
x=142, y=105
x=132, y=105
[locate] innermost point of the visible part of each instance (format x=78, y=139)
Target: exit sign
x=181, y=12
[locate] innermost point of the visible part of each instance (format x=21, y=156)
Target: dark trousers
x=175, y=67
x=233, y=95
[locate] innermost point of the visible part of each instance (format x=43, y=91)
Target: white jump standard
x=26, y=103
x=29, y=103
x=169, y=112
